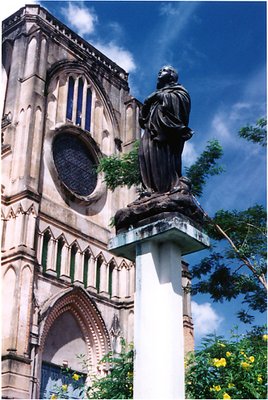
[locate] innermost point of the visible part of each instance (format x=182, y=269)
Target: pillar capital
x=172, y=227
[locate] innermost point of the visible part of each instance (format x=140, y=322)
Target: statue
x=164, y=118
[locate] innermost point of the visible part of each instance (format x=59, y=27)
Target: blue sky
x=219, y=49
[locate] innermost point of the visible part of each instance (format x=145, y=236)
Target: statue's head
x=167, y=74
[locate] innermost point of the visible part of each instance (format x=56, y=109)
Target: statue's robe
x=164, y=118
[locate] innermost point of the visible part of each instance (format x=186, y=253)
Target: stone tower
x=66, y=105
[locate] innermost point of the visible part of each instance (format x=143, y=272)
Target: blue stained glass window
x=70, y=99
x=88, y=109
x=79, y=102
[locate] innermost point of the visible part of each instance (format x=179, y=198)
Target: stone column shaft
x=159, y=361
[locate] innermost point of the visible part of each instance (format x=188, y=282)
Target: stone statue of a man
x=164, y=118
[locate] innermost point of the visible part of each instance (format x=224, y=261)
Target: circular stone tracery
x=75, y=164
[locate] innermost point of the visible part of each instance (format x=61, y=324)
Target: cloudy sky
x=219, y=51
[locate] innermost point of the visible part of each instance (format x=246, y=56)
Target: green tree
x=239, y=267
x=118, y=383
x=257, y=133
x=229, y=369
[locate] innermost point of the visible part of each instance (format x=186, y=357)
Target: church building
x=65, y=106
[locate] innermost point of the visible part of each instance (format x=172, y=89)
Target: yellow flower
x=217, y=388
x=228, y=354
x=245, y=365
x=76, y=377
x=259, y=379
x=242, y=352
x=251, y=359
x=53, y=397
x=265, y=337
x=230, y=385
x=64, y=388
x=219, y=362
x=226, y=396
x=221, y=345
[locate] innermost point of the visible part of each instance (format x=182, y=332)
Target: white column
x=158, y=326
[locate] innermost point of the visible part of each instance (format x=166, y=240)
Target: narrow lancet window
x=72, y=262
x=45, y=250
x=98, y=271
x=59, y=255
x=70, y=99
x=79, y=102
x=110, y=279
x=88, y=109
x=85, y=271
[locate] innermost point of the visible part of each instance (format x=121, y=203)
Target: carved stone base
x=147, y=209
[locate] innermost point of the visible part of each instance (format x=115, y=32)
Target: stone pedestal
x=158, y=326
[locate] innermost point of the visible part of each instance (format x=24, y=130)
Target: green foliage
x=120, y=170
x=205, y=166
x=247, y=229
x=118, y=384
x=257, y=133
x=224, y=369
x=223, y=274
x=123, y=169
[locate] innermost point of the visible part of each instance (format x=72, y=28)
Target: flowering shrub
x=234, y=369
x=117, y=384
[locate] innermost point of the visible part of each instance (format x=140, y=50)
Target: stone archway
x=71, y=325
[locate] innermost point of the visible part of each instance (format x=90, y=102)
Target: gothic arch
x=76, y=67
x=77, y=302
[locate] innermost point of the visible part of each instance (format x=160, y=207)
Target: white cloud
x=220, y=127
x=11, y=6
x=117, y=54
x=81, y=19
x=176, y=17
x=84, y=20
x=206, y=320
x=189, y=154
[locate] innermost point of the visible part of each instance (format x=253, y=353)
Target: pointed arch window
x=79, y=102
x=98, y=273
x=85, y=270
x=72, y=262
x=46, y=240
x=88, y=109
x=70, y=98
x=110, y=278
x=59, y=256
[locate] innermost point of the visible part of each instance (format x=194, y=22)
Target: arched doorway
x=74, y=336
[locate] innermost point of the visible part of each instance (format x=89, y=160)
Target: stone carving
x=164, y=118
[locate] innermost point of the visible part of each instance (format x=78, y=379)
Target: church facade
x=66, y=105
